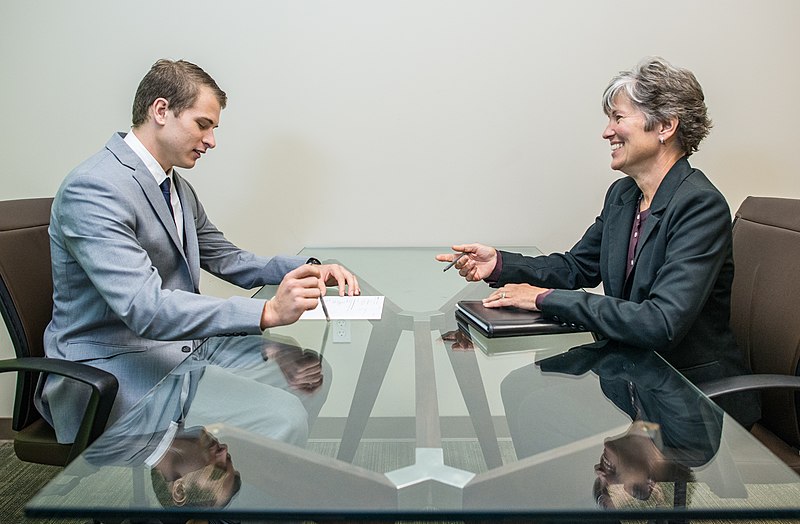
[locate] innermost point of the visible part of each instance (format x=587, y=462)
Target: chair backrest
x=765, y=301
x=26, y=288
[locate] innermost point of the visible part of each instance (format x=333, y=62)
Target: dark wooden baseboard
x=6, y=433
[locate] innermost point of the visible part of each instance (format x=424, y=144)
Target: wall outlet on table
x=341, y=331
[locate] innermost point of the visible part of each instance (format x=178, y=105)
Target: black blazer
x=677, y=299
x=639, y=383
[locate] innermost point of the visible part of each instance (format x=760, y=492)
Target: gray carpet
x=21, y=480
x=18, y=483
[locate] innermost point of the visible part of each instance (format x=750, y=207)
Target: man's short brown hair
x=178, y=82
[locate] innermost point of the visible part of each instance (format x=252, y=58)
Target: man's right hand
x=299, y=291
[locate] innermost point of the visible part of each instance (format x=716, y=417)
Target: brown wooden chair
x=26, y=303
x=765, y=317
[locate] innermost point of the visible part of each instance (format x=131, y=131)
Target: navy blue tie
x=165, y=191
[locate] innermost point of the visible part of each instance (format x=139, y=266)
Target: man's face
x=199, y=468
x=185, y=137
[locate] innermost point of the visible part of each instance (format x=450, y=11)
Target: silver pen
x=324, y=308
x=453, y=263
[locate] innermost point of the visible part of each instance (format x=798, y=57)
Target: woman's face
x=633, y=150
x=627, y=461
x=633, y=466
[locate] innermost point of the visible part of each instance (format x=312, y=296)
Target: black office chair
x=26, y=303
x=765, y=317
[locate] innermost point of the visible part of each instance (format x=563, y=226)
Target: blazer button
x=186, y=349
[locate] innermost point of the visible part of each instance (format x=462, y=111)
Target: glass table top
x=407, y=417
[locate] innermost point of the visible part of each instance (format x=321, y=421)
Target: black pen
x=324, y=308
x=453, y=263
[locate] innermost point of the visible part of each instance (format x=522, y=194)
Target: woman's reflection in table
x=634, y=466
x=672, y=430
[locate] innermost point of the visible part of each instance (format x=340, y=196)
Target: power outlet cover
x=341, y=331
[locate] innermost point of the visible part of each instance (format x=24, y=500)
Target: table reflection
x=419, y=423
x=672, y=429
x=195, y=470
x=265, y=387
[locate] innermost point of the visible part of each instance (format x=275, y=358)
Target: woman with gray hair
x=661, y=246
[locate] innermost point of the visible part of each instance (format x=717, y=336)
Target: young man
x=126, y=253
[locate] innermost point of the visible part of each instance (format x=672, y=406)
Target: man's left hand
x=336, y=275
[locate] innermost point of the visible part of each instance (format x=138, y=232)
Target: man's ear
x=158, y=111
x=179, y=492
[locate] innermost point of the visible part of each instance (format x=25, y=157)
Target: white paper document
x=348, y=308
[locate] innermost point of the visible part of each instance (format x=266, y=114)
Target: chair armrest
x=104, y=391
x=723, y=386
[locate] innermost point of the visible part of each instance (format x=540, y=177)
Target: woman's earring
x=661, y=139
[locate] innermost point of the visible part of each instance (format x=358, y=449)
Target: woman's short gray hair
x=662, y=91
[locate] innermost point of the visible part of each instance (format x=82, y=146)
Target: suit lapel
x=153, y=194
x=620, y=220
x=145, y=179
x=191, y=249
x=664, y=194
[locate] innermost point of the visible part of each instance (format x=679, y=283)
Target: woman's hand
x=477, y=264
x=517, y=295
x=461, y=340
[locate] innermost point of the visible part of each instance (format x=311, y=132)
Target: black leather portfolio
x=507, y=321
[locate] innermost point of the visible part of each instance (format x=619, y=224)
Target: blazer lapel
x=145, y=179
x=191, y=249
x=620, y=220
x=664, y=193
x=156, y=198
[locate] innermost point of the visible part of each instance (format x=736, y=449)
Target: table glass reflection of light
x=407, y=425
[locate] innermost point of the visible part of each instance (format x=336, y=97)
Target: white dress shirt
x=158, y=173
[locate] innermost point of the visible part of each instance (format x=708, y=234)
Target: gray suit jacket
x=125, y=292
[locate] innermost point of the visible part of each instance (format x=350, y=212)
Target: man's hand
x=299, y=291
x=336, y=275
x=477, y=265
x=302, y=369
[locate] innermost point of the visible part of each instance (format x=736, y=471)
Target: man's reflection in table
x=196, y=470
x=267, y=386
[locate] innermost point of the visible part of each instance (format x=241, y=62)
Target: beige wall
x=397, y=123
